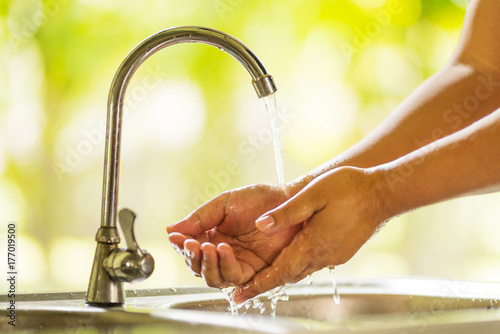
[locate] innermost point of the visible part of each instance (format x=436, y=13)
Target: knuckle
x=288, y=213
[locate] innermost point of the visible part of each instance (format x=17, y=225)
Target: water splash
x=228, y=292
x=272, y=111
x=275, y=295
x=179, y=250
x=336, y=295
x=254, y=303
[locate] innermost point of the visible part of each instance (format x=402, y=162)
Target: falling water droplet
x=336, y=295
x=277, y=294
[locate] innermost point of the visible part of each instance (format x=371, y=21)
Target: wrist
x=388, y=202
x=298, y=184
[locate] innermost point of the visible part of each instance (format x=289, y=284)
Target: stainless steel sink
x=321, y=307
x=368, y=306
x=383, y=305
x=146, y=311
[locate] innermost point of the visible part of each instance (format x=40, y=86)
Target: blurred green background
x=340, y=66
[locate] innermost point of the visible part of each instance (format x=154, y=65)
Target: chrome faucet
x=112, y=265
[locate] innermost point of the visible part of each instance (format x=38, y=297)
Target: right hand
x=220, y=239
x=337, y=213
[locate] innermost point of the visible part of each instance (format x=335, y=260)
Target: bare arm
x=341, y=209
x=467, y=89
x=465, y=163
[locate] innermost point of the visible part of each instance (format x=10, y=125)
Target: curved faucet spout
x=103, y=289
x=262, y=82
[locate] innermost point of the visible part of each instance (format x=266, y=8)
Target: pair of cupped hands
x=263, y=236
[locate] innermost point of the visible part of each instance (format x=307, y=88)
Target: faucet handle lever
x=126, y=217
x=133, y=264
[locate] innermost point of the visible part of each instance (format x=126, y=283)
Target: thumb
x=202, y=219
x=294, y=211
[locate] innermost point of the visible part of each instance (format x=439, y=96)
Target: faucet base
x=102, y=290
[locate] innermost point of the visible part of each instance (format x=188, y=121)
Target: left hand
x=220, y=239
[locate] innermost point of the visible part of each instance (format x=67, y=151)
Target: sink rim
x=419, y=286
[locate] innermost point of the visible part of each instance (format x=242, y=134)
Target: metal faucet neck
x=262, y=82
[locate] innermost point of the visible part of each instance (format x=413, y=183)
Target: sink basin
x=383, y=305
x=146, y=311
x=368, y=306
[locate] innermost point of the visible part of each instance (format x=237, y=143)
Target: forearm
x=464, y=163
x=451, y=100
x=467, y=89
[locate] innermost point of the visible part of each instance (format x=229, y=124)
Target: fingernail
x=188, y=253
x=265, y=223
x=206, y=256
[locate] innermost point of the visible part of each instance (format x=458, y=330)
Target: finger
x=202, y=219
x=233, y=271
x=177, y=241
x=210, y=266
x=192, y=251
x=292, y=261
x=294, y=211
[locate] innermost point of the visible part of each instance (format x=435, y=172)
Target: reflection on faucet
x=113, y=266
